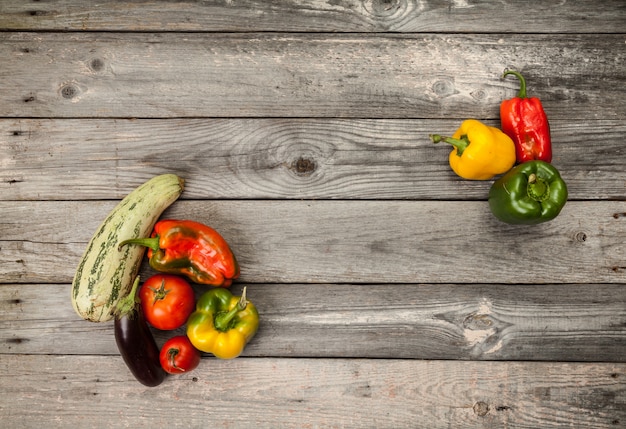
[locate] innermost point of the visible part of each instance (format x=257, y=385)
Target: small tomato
x=178, y=355
x=166, y=301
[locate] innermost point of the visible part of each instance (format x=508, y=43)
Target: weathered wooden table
x=389, y=295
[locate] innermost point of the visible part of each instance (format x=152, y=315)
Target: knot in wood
x=481, y=408
x=581, y=237
x=385, y=7
x=96, y=64
x=303, y=166
x=37, y=13
x=69, y=91
x=477, y=322
x=478, y=95
x=444, y=88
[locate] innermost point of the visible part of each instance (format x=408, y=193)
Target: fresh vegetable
x=222, y=324
x=178, y=355
x=135, y=341
x=531, y=193
x=167, y=301
x=191, y=249
x=524, y=120
x=480, y=151
x=105, y=274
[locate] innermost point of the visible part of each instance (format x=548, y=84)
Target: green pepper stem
x=460, y=144
x=538, y=189
x=222, y=320
x=522, y=82
x=152, y=243
x=126, y=305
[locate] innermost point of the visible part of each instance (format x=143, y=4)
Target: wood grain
x=581, y=16
x=75, y=159
x=98, y=391
x=550, y=322
x=306, y=75
x=346, y=241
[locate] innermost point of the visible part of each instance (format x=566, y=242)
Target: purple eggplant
x=136, y=342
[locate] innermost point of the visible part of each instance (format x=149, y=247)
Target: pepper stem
x=222, y=320
x=460, y=144
x=522, y=82
x=126, y=305
x=538, y=189
x=152, y=243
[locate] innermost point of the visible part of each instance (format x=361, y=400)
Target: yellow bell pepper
x=480, y=151
x=222, y=324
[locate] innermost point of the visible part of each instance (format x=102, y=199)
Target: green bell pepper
x=530, y=193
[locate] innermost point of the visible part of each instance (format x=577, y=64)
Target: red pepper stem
x=522, y=82
x=152, y=243
x=222, y=320
x=460, y=144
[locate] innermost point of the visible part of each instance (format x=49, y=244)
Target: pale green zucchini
x=105, y=273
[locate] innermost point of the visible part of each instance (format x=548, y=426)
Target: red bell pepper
x=524, y=120
x=191, y=249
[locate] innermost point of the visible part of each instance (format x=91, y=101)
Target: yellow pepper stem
x=222, y=320
x=460, y=144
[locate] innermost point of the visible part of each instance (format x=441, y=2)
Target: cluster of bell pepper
x=222, y=324
x=531, y=190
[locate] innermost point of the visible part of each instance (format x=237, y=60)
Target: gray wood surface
x=277, y=158
x=389, y=295
x=307, y=75
x=551, y=322
x=296, y=393
x=553, y=16
x=349, y=241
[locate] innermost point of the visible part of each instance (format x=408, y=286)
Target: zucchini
x=106, y=273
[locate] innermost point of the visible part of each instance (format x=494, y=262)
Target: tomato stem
x=160, y=293
x=171, y=358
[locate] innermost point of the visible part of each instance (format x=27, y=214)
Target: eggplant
x=138, y=347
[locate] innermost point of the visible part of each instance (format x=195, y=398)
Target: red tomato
x=166, y=301
x=178, y=355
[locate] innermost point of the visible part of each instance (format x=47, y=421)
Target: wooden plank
x=346, y=241
x=98, y=391
x=306, y=75
x=581, y=16
x=277, y=158
x=461, y=322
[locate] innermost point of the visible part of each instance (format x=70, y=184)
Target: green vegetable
x=530, y=193
x=105, y=273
